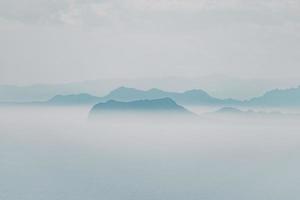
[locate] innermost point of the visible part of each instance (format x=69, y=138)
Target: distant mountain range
x=274, y=98
x=155, y=106
x=191, y=97
x=217, y=85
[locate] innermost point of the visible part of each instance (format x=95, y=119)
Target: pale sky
x=54, y=41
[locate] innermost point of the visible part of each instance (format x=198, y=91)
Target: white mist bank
x=56, y=153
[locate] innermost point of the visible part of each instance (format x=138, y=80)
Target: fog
x=57, y=153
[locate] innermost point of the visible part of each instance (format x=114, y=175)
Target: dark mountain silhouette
x=155, y=106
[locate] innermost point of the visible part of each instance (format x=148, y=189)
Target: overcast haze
x=54, y=41
x=54, y=54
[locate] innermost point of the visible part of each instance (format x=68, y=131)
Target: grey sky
x=51, y=41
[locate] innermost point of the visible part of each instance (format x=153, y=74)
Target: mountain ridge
x=276, y=97
x=189, y=97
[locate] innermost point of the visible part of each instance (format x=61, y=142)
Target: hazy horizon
x=217, y=85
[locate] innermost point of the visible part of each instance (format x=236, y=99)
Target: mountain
x=274, y=98
x=155, y=106
x=218, y=85
x=278, y=97
x=190, y=97
x=124, y=94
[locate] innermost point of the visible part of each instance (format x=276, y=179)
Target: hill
x=155, y=106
